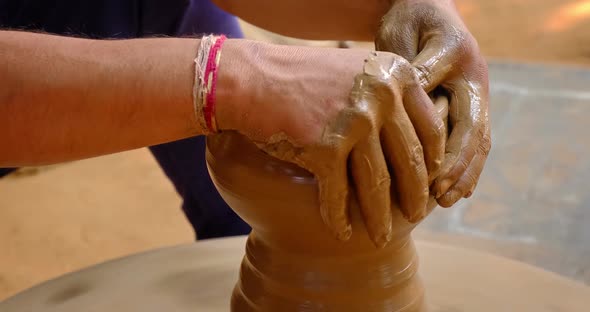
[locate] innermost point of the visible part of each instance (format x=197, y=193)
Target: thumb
x=396, y=35
x=436, y=61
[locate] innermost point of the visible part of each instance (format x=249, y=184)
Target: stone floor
x=533, y=199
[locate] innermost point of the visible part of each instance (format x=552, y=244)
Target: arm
x=63, y=99
x=58, y=94
x=312, y=19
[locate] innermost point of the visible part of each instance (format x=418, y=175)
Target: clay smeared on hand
x=388, y=116
x=431, y=35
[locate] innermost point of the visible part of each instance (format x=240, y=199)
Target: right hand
x=433, y=37
x=302, y=111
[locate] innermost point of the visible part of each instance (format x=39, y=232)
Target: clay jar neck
x=291, y=258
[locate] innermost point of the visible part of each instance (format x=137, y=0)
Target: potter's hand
x=307, y=115
x=432, y=36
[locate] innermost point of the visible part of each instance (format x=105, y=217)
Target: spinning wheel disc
x=200, y=277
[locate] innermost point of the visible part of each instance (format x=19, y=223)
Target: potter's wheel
x=200, y=277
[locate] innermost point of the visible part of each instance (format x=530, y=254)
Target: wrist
x=232, y=91
x=241, y=83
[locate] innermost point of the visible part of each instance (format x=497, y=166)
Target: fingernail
x=444, y=187
x=383, y=239
x=419, y=75
x=468, y=194
x=416, y=217
x=451, y=197
x=345, y=234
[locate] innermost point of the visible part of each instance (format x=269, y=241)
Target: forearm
x=313, y=19
x=63, y=99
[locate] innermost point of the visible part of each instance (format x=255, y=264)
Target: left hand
x=431, y=35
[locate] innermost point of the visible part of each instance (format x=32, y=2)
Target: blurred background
x=532, y=202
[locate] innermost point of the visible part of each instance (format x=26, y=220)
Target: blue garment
x=183, y=161
x=6, y=171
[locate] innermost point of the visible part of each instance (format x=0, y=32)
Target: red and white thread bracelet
x=206, y=68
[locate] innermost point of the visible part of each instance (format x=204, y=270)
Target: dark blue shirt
x=118, y=18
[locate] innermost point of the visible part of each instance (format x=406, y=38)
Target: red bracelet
x=211, y=81
x=206, y=66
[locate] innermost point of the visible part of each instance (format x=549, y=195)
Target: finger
x=468, y=181
x=468, y=117
x=441, y=105
x=329, y=166
x=435, y=62
x=429, y=127
x=466, y=184
x=373, y=188
x=333, y=188
x=404, y=152
x=480, y=159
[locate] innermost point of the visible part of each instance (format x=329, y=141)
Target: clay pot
x=292, y=262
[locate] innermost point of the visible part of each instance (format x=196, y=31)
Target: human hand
x=303, y=111
x=431, y=35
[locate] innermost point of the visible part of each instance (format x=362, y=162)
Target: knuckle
x=470, y=180
x=383, y=182
x=405, y=69
x=403, y=64
x=463, y=163
x=485, y=146
x=417, y=152
x=381, y=186
x=478, y=130
x=401, y=68
x=417, y=157
x=435, y=166
x=480, y=126
x=363, y=118
x=423, y=74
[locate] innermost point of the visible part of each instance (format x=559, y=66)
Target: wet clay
x=200, y=277
x=292, y=260
x=389, y=120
